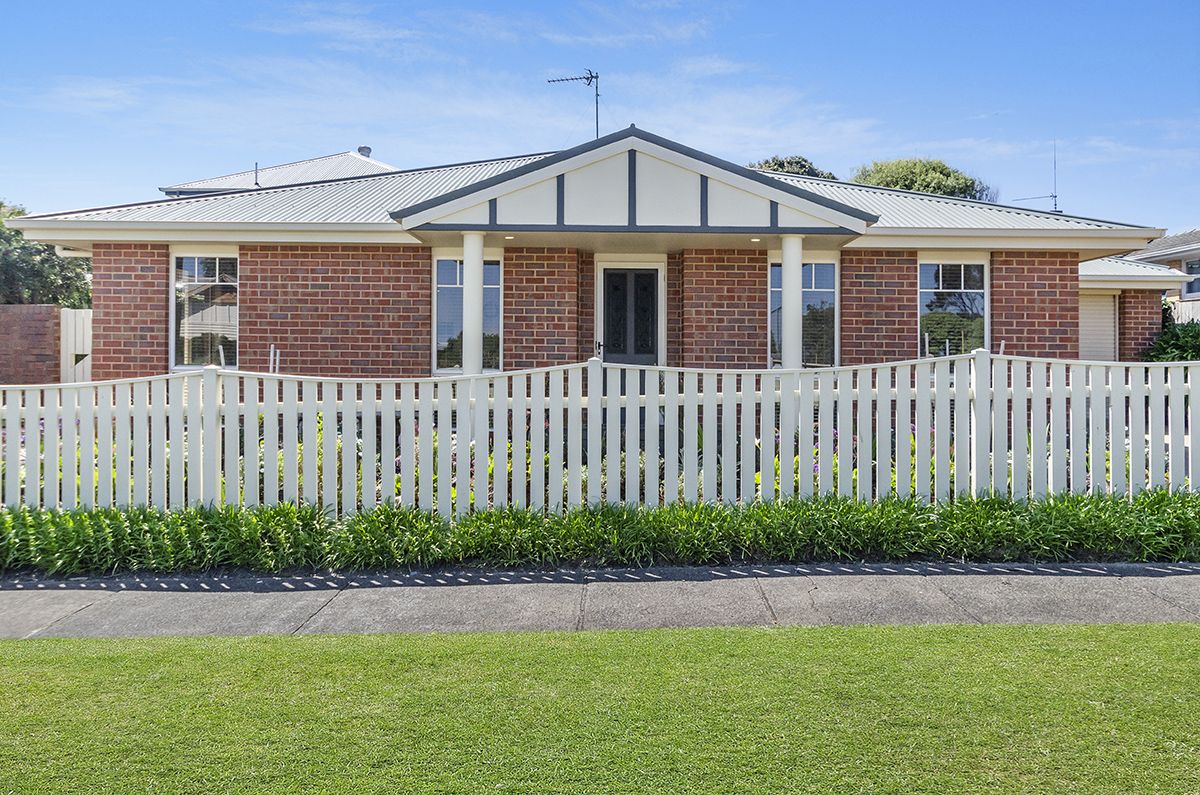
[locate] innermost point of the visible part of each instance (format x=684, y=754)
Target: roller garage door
x=1097, y=327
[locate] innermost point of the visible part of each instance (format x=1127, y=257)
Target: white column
x=472, y=309
x=792, y=307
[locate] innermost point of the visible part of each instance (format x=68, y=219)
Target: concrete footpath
x=240, y=603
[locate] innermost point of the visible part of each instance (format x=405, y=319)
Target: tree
x=792, y=164
x=926, y=176
x=31, y=273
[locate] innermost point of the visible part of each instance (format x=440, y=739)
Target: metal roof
x=909, y=209
x=1184, y=241
x=1123, y=268
x=371, y=199
x=337, y=166
x=352, y=200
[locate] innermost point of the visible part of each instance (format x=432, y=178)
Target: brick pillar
x=1139, y=322
x=586, y=309
x=1035, y=303
x=674, y=319
x=131, y=288
x=29, y=343
x=878, y=306
x=541, y=307
x=723, y=308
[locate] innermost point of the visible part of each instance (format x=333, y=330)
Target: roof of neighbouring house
x=336, y=166
x=1183, y=241
x=1130, y=271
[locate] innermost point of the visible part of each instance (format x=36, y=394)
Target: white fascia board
x=1106, y=240
x=826, y=214
x=1099, y=283
x=1178, y=252
x=66, y=232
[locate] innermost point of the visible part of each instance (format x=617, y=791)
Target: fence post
x=981, y=394
x=210, y=446
x=595, y=416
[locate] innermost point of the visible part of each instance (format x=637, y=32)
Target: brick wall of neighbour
x=29, y=343
x=131, y=285
x=723, y=308
x=336, y=310
x=1139, y=322
x=541, y=307
x=878, y=306
x=1035, y=303
x=587, y=305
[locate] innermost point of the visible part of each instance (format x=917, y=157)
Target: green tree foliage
x=926, y=176
x=31, y=273
x=792, y=164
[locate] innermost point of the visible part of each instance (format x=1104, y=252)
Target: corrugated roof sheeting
x=897, y=208
x=348, y=201
x=1120, y=267
x=339, y=166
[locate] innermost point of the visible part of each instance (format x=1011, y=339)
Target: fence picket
x=575, y=431
x=747, y=422
x=825, y=446
x=595, y=395
x=87, y=447
x=962, y=426
x=158, y=445
x=1039, y=452
x=369, y=489
x=51, y=455
x=728, y=409
x=348, y=436
x=788, y=434
x=845, y=432
x=1137, y=428
x=631, y=442
x=1118, y=402
x=70, y=450
x=445, y=448
x=766, y=435
x=612, y=433
x=883, y=432
x=690, y=438
x=1176, y=457
x=1058, y=429
x=270, y=441
x=1097, y=430
x=651, y=434
x=519, y=449
x=393, y=469
x=805, y=391
x=537, y=440
x=462, y=446
x=12, y=448
x=923, y=436
x=329, y=451
x=863, y=437
x=289, y=460
x=481, y=388
x=230, y=449
x=1077, y=440
x=999, y=429
x=500, y=481
x=1193, y=407
x=905, y=431
x=709, y=433
x=1157, y=429
x=122, y=453
x=943, y=431
x=311, y=444
x=554, y=445
x=428, y=465
x=104, y=447
x=1020, y=430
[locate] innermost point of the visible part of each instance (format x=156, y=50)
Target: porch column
x=792, y=307
x=472, y=303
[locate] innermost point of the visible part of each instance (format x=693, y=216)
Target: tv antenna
x=1053, y=194
x=589, y=78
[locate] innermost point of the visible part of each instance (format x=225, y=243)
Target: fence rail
x=588, y=433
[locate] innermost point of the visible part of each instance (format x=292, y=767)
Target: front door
x=630, y=307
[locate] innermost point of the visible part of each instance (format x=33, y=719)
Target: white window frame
x=810, y=258
x=489, y=255
x=950, y=258
x=219, y=251
x=655, y=262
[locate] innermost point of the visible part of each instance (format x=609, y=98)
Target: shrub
x=1178, y=342
x=1153, y=526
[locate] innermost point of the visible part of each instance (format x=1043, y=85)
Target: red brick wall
x=336, y=310
x=541, y=307
x=723, y=308
x=131, y=285
x=29, y=343
x=587, y=305
x=878, y=306
x=675, y=309
x=1139, y=322
x=1035, y=303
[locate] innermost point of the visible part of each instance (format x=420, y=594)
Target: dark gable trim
x=492, y=211
x=632, y=204
x=774, y=214
x=703, y=200
x=560, y=199
x=699, y=230
x=633, y=132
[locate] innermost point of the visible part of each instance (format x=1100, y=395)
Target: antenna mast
x=589, y=78
x=1053, y=194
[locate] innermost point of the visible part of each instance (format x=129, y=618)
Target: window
x=953, y=308
x=818, y=282
x=206, y=311
x=448, y=309
x=1192, y=289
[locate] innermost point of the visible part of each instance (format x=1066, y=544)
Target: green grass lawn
x=919, y=709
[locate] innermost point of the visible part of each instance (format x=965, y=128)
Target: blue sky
x=104, y=102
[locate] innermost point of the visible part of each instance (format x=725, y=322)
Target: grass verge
x=901, y=709
x=1153, y=526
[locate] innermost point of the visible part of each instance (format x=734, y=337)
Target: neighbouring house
x=631, y=246
x=1180, y=252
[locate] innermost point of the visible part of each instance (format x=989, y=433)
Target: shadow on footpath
x=240, y=580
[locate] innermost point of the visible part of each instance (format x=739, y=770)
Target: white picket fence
x=560, y=437
x=75, y=345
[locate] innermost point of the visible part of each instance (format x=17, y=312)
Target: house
x=632, y=246
x=1181, y=253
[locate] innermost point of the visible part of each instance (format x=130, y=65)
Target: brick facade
x=29, y=343
x=675, y=309
x=336, y=310
x=586, y=323
x=131, y=285
x=878, y=306
x=1139, y=322
x=541, y=307
x=1035, y=303
x=723, y=308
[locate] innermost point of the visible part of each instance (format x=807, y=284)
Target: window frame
x=823, y=258
x=219, y=253
x=1184, y=293
x=987, y=296
x=457, y=254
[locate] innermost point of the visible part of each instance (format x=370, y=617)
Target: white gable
x=633, y=184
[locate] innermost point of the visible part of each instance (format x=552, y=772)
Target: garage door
x=1097, y=327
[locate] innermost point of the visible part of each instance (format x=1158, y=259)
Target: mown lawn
x=918, y=709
